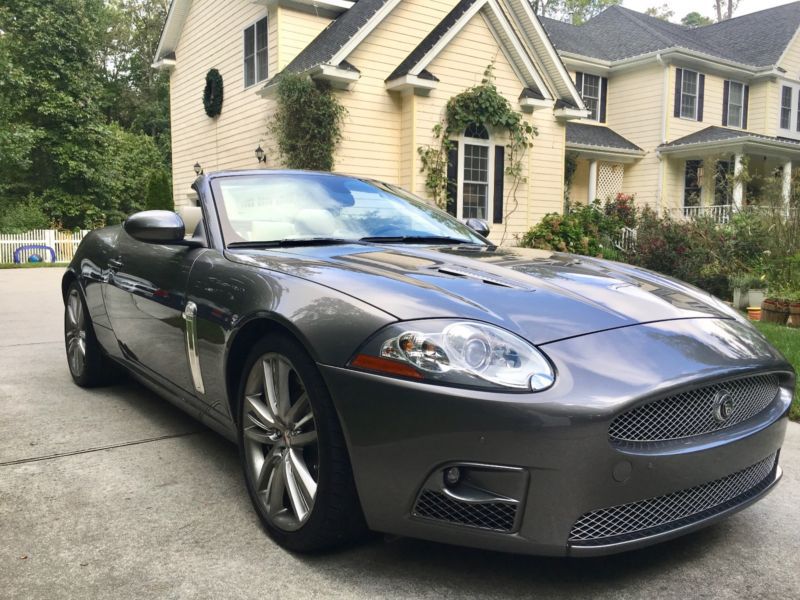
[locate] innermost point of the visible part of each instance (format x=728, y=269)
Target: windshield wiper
x=290, y=242
x=419, y=239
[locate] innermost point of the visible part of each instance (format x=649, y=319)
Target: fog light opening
x=452, y=476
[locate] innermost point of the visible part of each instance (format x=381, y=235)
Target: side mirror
x=156, y=227
x=479, y=226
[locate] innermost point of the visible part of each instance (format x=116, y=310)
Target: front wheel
x=88, y=364
x=296, y=464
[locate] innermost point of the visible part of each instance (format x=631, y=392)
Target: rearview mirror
x=479, y=226
x=156, y=227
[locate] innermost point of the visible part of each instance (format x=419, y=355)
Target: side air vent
x=485, y=278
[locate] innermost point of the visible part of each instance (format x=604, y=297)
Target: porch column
x=786, y=190
x=592, y=182
x=738, y=186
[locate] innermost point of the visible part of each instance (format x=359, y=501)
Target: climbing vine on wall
x=482, y=104
x=307, y=123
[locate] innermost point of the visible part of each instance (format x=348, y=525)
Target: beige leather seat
x=191, y=216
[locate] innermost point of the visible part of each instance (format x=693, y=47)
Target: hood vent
x=484, y=278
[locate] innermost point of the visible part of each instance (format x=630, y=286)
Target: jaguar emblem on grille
x=723, y=406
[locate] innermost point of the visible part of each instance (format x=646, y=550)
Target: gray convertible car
x=382, y=366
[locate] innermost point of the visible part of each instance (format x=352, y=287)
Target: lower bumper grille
x=496, y=516
x=636, y=520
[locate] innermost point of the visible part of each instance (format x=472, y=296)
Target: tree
x=663, y=12
x=695, y=19
x=159, y=192
x=725, y=8
x=574, y=11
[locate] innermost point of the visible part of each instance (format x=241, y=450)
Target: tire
x=296, y=465
x=87, y=362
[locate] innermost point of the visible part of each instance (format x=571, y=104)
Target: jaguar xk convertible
x=382, y=366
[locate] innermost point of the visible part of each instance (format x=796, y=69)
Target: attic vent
x=483, y=277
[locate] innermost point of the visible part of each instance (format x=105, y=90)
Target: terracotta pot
x=754, y=313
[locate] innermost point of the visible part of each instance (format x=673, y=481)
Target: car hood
x=540, y=295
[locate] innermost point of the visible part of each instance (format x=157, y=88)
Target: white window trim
x=741, y=106
x=599, y=94
x=794, y=109
x=464, y=141
x=696, y=94
x=255, y=53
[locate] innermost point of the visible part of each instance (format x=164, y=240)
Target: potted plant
x=739, y=284
x=756, y=291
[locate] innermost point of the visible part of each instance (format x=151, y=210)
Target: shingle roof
x=757, y=39
x=722, y=134
x=599, y=136
x=431, y=39
x=335, y=36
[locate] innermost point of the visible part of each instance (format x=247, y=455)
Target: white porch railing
x=719, y=213
x=626, y=241
x=62, y=243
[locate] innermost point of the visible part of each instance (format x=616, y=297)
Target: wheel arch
x=241, y=341
x=66, y=281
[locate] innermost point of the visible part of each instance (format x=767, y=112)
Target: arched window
x=476, y=170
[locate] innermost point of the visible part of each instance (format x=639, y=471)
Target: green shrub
x=159, y=192
x=20, y=217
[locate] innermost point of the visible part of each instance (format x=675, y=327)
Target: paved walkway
x=115, y=494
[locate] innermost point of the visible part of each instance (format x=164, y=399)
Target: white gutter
x=664, y=111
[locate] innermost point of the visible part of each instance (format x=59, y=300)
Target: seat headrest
x=191, y=216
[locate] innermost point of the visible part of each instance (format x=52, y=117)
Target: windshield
x=283, y=207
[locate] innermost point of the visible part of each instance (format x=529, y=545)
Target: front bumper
x=550, y=452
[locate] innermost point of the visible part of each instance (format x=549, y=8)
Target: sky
x=704, y=7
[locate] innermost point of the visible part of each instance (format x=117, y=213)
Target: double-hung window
x=735, y=104
x=689, y=92
x=786, y=107
x=476, y=173
x=256, y=53
x=591, y=95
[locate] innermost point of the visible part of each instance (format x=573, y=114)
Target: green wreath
x=212, y=95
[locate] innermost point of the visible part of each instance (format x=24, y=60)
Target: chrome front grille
x=695, y=412
x=641, y=519
x=497, y=516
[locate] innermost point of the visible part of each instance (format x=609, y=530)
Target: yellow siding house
x=676, y=113
x=394, y=65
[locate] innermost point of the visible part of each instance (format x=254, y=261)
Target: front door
x=146, y=300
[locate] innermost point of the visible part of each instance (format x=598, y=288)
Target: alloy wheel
x=280, y=442
x=76, y=333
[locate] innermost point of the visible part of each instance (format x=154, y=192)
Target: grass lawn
x=786, y=340
x=41, y=265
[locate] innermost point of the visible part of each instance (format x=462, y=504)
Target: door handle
x=114, y=264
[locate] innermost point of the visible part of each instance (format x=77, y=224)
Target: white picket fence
x=63, y=244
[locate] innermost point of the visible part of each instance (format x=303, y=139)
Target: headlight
x=457, y=352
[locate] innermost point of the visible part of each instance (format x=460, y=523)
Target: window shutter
x=603, y=94
x=745, y=105
x=678, y=84
x=726, y=90
x=701, y=88
x=499, y=179
x=579, y=82
x=452, y=180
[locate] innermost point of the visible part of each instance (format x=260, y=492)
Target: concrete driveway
x=114, y=493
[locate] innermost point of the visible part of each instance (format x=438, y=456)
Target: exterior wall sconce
x=261, y=155
x=198, y=169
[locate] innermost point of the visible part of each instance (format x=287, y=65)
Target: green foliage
x=584, y=229
x=71, y=89
x=484, y=105
x=695, y=19
x=788, y=342
x=307, y=123
x=574, y=11
x=21, y=217
x=213, y=94
x=663, y=12
x=159, y=192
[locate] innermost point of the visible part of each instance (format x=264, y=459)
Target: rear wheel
x=88, y=364
x=295, y=461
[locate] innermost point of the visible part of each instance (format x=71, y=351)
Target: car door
x=146, y=299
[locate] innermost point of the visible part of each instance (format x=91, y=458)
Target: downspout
x=664, y=103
